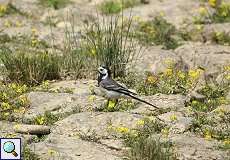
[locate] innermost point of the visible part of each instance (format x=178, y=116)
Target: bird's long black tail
x=141, y=100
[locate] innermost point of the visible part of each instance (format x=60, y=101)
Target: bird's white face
x=103, y=71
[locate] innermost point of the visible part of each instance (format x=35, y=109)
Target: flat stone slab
x=191, y=147
x=72, y=148
x=72, y=137
x=162, y=101
x=59, y=103
x=177, y=121
x=97, y=124
x=209, y=57
x=79, y=87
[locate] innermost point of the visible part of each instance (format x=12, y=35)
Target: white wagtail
x=111, y=89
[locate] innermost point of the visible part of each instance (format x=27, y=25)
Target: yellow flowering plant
x=12, y=99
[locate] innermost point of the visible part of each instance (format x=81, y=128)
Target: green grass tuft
x=157, y=32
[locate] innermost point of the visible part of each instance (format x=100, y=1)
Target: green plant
x=13, y=100
x=56, y=4
x=221, y=38
x=109, y=44
x=123, y=105
x=207, y=119
x=115, y=6
x=9, y=9
x=30, y=69
x=158, y=32
x=221, y=13
x=171, y=81
x=28, y=154
x=47, y=119
x=145, y=145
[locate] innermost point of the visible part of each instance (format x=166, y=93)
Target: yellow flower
x=18, y=24
x=34, y=42
x=199, y=27
x=223, y=100
x=227, y=68
x=13, y=86
x=122, y=129
x=227, y=142
x=181, y=74
x=45, y=85
x=165, y=131
x=151, y=79
x=6, y=114
x=92, y=98
x=168, y=72
x=173, y=117
x=3, y=9
x=24, y=88
x=51, y=152
x=34, y=31
x=93, y=52
x=162, y=14
x=111, y=104
x=140, y=122
x=19, y=90
x=40, y=120
x=23, y=100
x=169, y=62
x=4, y=96
x=110, y=127
x=194, y=74
x=227, y=77
x=208, y=135
x=7, y=23
x=17, y=126
x=203, y=11
x=5, y=106
x=212, y=3
x=194, y=102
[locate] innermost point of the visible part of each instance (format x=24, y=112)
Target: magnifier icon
x=9, y=147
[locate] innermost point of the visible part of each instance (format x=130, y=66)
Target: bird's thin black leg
x=108, y=102
x=116, y=102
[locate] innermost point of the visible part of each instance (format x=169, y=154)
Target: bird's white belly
x=110, y=94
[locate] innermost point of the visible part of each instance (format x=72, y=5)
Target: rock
x=222, y=108
x=6, y=128
x=155, y=60
x=210, y=57
x=72, y=148
x=210, y=29
x=86, y=136
x=79, y=87
x=43, y=101
x=61, y=104
x=29, y=7
x=162, y=101
x=32, y=129
x=191, y=147
x=98, y=124
x=112, y=143
x=7, y=131
x=173, y=11
x=64, y=25
x=177, y=122
x=221, y=78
